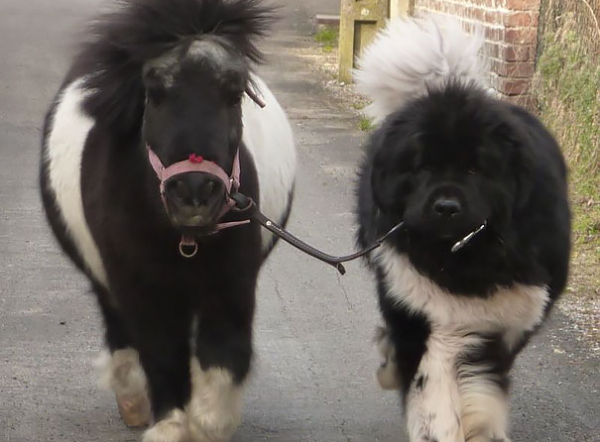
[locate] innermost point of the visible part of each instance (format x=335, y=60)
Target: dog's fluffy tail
x=412, y=56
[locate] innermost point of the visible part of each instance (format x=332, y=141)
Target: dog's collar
x=463, y=242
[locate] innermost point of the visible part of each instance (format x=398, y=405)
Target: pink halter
x=198, y=164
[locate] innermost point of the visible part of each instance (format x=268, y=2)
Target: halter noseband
x=198, y=164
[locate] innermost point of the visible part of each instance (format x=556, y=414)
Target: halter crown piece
x=196, y=163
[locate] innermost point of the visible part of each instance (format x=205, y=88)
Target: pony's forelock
x=137, y=31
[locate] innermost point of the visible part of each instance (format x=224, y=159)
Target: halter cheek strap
x=198, y=164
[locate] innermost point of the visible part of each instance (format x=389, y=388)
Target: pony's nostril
x=209, y=187
x=178, y=190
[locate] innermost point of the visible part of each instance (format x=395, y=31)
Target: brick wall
x=511, y=37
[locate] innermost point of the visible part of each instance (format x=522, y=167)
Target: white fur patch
x=411, y=55
x=512, y=310
x=63, y=155
x=269, y=138
x=452, y=402
x=456, y=401
x=171, y=429
x=433, y=410
x=122, y=372
x=484, y=406
x=215, y=409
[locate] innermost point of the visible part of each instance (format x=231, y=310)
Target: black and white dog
x=480, y=185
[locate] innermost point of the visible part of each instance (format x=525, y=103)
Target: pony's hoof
x=171, y=429
x=134, y=410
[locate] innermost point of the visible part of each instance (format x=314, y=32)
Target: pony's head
x=176, y=71
x=193, y=113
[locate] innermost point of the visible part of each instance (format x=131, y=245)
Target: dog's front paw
x=486, y=436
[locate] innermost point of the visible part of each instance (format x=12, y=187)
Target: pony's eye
x=155, y=88
x=155, y=95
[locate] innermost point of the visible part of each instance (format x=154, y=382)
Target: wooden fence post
x=359, y=22
x=401, y=8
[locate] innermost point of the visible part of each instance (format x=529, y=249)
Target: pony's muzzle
x=195, y=199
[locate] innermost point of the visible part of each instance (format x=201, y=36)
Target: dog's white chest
x=510, y=311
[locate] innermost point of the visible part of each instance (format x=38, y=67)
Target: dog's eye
x=472, y=171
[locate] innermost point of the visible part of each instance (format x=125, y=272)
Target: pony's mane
x=137, y=31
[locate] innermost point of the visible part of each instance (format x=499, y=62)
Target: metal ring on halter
x=184, y=253
x=244, y=199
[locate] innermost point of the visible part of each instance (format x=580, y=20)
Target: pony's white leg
x=173, y=428
x=214, y=410
x=123, y=374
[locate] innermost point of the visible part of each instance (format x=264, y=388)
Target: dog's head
x=450, y=162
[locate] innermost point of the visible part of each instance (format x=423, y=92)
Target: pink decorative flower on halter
x=196, y=159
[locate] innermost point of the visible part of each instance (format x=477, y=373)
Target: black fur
x=141, y=30
x=501, y=165
x=155, y=294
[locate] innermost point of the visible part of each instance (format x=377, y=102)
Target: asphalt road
x=313, y=377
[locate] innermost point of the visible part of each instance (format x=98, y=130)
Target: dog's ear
x=518, y=144
x=524, y=167
x=393, y=163
x=383, y=188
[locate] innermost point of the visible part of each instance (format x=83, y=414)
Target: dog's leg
x=433, y=402
x=484, y=410
x=387, y=373
x=484, y=399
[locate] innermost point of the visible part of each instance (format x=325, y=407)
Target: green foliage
x=568, y=93
x=365, y=124
x=328, y=38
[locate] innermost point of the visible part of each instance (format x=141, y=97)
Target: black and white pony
x=164, y=80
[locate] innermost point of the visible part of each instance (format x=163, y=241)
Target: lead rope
x=244, y=203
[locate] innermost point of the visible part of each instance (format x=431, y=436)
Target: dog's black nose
x=447, y=207
x=194, y=189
